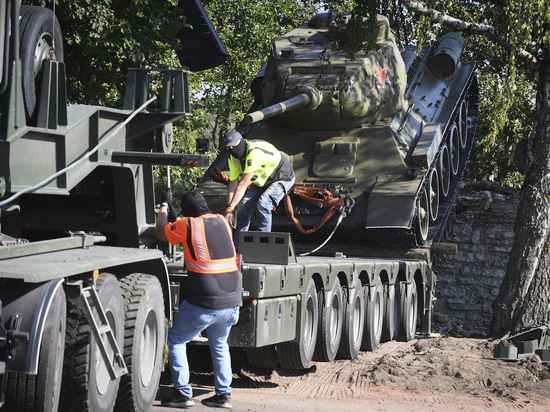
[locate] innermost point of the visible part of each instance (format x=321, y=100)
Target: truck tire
x=143, y=342
x=374, y=317
x=408, y=312
x=263, y=357
x=392, y=304
x=41, y=392
x=298, y=355
x=36, y=45
x=87, y=386
x=354, y=322
x=330, y=326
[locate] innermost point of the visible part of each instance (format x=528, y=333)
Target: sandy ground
x=427, y=374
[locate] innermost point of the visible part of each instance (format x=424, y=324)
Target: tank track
x=406, y=238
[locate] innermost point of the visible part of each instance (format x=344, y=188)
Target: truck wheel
x=330, y=329
x=392, y=304
x=298, y=355
x=41, y=392
x=37, y=44
x=354, y=322
x=408, y=312
x=263, y=357
x=143, y=342
x=374, y=317
x=87, y=386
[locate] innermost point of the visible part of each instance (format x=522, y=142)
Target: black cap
x=193, y=204
x=231, y=139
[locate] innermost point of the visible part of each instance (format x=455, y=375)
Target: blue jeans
x=264, y=200
x=189, y=321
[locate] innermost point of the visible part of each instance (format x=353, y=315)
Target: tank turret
x=390, y=130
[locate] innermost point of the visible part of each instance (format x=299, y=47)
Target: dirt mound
x=451, y=374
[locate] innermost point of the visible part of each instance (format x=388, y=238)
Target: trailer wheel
x=37, y=44
x=298, y=355
x=354, y=322
x=263, y=357
x=392, y=304
x=143, y=342
x=408, y=312
x=374, y=317
x=41, y=391
x=86, y=382
x=330, y=328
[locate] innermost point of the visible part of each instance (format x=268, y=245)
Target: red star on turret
x=382, y=75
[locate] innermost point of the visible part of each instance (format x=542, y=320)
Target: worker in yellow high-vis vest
x=268, y=172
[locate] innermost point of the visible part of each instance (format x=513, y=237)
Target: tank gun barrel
x=296, y=102
x=307, y=96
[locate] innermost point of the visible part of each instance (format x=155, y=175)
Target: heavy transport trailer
x=84, y=286
x=299, y=309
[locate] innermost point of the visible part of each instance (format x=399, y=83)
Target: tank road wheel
x=143, y=342
x=445, y=170
x=263, y=357
x=374, y=317
x=392, y=303
x=354, y=322
x=38, y=43
x=453, y=141
x=433, y=184
x=408, y=312
x=463, y=124
x=87, y=385
x=41, y=392
x=422, y=219
x=298, y=355
x=330, y=326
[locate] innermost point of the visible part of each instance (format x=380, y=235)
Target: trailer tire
x=81, y=376
x=374, y=317
x=354, y=322
x=36, y=45
x=392, y=304
x=408, y=312
x=298, y=355
x=41, y=392
x=143, y=342
x=330, y=326
x=263, y=357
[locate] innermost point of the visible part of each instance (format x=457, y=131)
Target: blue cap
x=231, y=139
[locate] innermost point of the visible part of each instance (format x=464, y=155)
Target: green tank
x=394, y=143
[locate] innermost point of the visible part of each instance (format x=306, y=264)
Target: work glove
x=167, y=198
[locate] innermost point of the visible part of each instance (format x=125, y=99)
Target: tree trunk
x=524, y=297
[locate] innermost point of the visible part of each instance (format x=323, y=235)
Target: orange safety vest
x=199, y=237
